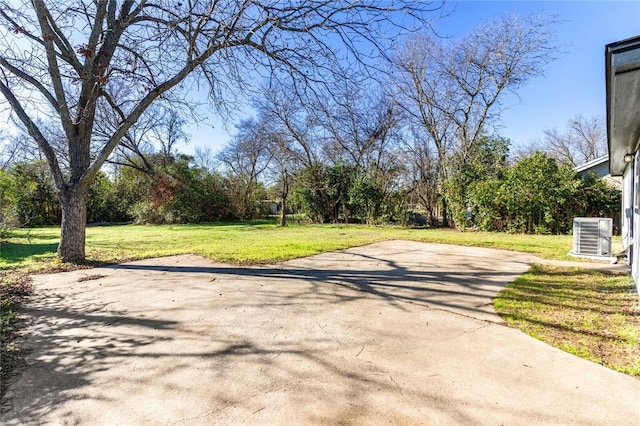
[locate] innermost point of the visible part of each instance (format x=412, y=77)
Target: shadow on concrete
x=72, y=344
x=465, y=291
x=78, y=345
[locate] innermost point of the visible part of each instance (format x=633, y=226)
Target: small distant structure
x=272, y=206
x=416, y=219
x=600, y=167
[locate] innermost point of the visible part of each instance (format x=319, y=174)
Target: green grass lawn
x=586, y=313
x=252, y=242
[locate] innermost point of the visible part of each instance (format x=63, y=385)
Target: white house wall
x=634, y=253
x=626, y=225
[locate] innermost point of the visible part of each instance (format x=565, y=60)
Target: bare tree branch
x=77, y=55
x=584, y=139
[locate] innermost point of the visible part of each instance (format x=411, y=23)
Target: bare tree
x=246, y=157
x=151, y=142
x=355, y=124
x=423, y=172
x=68, y=60
x=291, y=132
x=205, y=158
x=359, y=124
x=11, y=150
x=584, y=139
x=520, y=152
x=293, y=120
x=453, y=89
x=283, y=166
x=170, y=133
x=18, y=146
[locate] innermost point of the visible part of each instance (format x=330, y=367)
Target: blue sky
x=573, y=84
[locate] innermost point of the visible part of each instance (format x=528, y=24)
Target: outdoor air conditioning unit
x=592, y=237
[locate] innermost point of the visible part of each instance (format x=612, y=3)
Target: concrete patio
x=395, y=333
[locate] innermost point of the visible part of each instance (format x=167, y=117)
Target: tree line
x=534, y=194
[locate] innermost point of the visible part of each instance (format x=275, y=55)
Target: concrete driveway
x=390, y=333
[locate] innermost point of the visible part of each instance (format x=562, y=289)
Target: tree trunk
x=284, y=195
x=74, y=222
x=283, y=212
x=445, y=212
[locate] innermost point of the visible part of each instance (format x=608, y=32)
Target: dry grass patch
x=587, y=313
